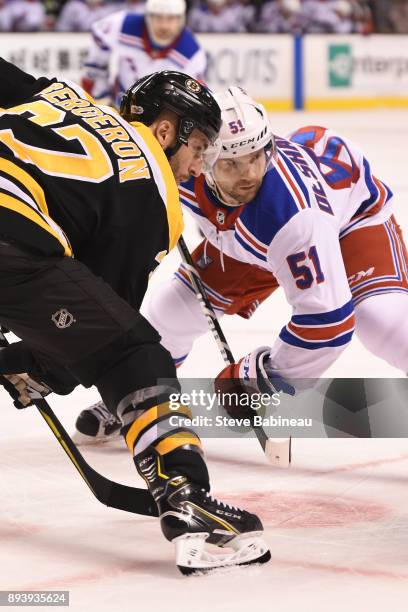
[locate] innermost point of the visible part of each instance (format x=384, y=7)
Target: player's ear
x=165, y=132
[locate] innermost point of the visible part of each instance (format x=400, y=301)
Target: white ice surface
x=336, y=521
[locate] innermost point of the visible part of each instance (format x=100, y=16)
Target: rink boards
x=316, y=72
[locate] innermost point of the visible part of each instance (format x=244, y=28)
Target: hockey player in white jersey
x=127, y=46
x=305, y=213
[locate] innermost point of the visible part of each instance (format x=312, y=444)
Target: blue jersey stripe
x=99, y=42
x=217, y=296
x=211, y=291
x=379, y=291
x=179, y=360
x=373, y=189
x=295, y=175
x=184, y=281
x=325, y=318
x=189, y=286
x=187, y=44
x=195, y=209
x=270, y=210
x=289, y=338
x=95, y=66
x=189, y=184
x=133, y=25
x=247, y=247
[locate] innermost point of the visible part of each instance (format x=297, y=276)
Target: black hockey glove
x=38, y=379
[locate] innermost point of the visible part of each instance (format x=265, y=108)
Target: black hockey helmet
x=177, y=92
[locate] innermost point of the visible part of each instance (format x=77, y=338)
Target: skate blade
x=81, y=439
x=193, y=559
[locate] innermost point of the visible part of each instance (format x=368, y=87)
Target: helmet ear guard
x=191, y=101
x=211, y=155
x=185, y=128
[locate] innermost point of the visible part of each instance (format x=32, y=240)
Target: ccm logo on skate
x=229, y=514
x=63, y=318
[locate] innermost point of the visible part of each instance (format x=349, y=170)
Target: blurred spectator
x=79, y=15
x=345, y=15
x=140, y=44
x=246, y=12
x=22, y=15
x=380, y=12
x=363, y=16
x=5, y=16
x=218, y=16
x=132, y=6
x=398, y=16
x=282, y=16
x=269, y=16
x=329, y=16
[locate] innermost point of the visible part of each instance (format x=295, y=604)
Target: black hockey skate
x=96, y=424
x=191, y=517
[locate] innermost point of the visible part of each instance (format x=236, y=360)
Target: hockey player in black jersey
x=88, y=208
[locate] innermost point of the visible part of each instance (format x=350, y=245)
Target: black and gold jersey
x=77, y=180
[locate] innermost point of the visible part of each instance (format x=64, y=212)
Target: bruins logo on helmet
x=193, y=85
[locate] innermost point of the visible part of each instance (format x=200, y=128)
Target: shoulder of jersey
x=281, y=196
x=308, y=135
x=188, y=185
x=133, y=25
x=188, y=196
x=187, y=44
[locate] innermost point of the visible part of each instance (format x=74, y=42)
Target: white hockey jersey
x=124, y=37
x=319, y=188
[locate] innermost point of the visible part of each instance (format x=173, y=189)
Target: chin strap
x=216, y=191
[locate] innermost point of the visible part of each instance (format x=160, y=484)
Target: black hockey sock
x=190, y=463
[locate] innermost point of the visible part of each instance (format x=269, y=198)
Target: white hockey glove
x=250, y=375
x=23, y=389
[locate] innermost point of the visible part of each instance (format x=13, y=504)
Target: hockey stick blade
x=279, y=451
x=108, y=492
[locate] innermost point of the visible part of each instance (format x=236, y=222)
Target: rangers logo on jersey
x=204, y=261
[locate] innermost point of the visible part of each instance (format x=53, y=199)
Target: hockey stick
x=108, y=492
x=277, y=450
